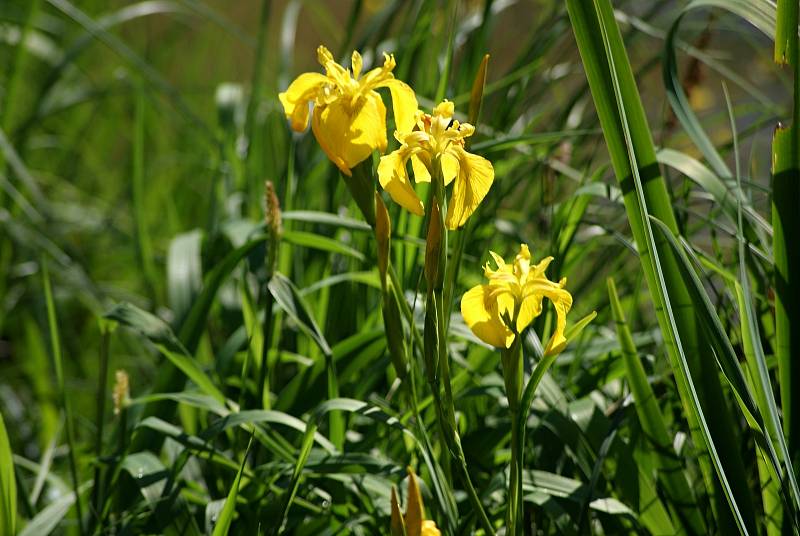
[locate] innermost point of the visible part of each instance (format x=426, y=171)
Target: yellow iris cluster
x=349, y=122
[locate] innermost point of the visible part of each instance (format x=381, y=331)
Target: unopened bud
x=434, y=250
x=431, y=339
x=121, y=393
x=274, y=224
x=383, y=235
x=393, y=325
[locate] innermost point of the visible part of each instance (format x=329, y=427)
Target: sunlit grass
x=209, y=323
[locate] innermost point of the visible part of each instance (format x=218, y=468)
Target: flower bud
x=121, y=393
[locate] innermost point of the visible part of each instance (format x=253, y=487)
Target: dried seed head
x=121, y=393
x=272, y=211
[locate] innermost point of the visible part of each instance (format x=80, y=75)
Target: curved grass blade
x=633, y=158
x=8, y=484
x=229, y=510
x=670, y=470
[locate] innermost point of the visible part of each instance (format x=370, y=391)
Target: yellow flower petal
x=480, y=312
x=449, y=167
x=297, y=96
x=445, y=108
x=429, y=529
x=421, y=173
x=475, y=176
x=531, y=308
x=404, y=103
x=349, y=135
x=562, y=300
x=393, y=177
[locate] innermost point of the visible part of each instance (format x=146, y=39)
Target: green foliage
x=264, y=394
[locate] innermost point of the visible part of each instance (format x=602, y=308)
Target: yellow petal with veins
x=481, y=314
x=475, y=177
x=348, y=135
x=393, y=177
x=297, y=96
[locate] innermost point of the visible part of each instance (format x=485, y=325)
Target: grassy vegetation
x=207, y=327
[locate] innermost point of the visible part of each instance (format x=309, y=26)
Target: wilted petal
x=475, y=176
x=349, y=135
x=481, y=314
x=393, y=177
x=297, y=96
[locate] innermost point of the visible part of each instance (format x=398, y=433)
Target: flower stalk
x=435, y=340
x=512, y=375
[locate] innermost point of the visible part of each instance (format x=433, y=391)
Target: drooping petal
x=562, y=301
x=297, y=96
x=404, y=103
x=393, y=177
x=475, y=176
x=480, y=310
x=348, y=135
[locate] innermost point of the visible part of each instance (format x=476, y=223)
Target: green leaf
x=671, y=474
x=8, y=484
x=229, y=510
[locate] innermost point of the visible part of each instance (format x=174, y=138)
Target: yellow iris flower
x=438, y=140
x=413, y=522
x=499, y=310
x=349, y=118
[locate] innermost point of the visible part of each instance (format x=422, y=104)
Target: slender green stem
x=512, y=374
x=55, y=343
x=102, y=384
x=441, y=377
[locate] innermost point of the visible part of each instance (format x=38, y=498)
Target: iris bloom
x=413, y=522
x=437, y=141
x=349, y=118
x=499, y=310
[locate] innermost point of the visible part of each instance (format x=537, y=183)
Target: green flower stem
x=512, y=374
x=441, y=376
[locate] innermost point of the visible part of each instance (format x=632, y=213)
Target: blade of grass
x=58, y=365
x=670, y=470
x=8, y=484
x=786, y=229
x=633, y=158
x=229, y=510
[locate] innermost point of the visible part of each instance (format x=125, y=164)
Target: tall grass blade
x=229, y=510
x=8, y=484
x=633, y=158
x=55, y=346
x=671, y=473
x=786, y=229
